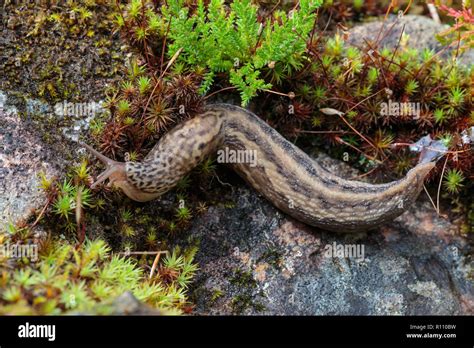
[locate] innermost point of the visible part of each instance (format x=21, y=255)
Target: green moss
x=49, y=38
x=243, y=278
x=453, y=180
x=216, y=294
x=247, y=293
x=273, y=257
x=242, y=302
x=86, y=278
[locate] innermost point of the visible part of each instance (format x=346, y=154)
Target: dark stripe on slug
x=289, y=176
x=270, y=157
x=261, y=144
x=311, y=167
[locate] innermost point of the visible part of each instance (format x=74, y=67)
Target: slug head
x=116, y=172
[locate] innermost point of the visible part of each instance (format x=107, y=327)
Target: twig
x=433, y=12
x=431, y=200
x=440, y=182
x=323, y=132
x=42, y=212
x=155, y=264
x=277, y=93
x=220, y=90
x=143, y=252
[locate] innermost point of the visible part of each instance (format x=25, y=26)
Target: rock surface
x=40, y=59
x=127, y=304
x=22, y=156
x=255, y=260
x=420, y=29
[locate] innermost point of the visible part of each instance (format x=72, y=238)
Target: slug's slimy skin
x=281, y=172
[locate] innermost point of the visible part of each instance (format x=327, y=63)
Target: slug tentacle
x=275, y=167
x=114, y=171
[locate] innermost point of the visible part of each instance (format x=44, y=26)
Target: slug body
x=280, y=171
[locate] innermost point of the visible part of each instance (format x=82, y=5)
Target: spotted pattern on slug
x=176, y=154
x=284, y=174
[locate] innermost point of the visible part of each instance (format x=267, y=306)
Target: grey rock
x=22, y=156
x=421, y=30
x=23, y=153
x=127, y=304
x=255, y=260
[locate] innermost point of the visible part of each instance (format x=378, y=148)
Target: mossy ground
x=64, y=52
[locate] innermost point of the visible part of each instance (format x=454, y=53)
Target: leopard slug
x=284, y=174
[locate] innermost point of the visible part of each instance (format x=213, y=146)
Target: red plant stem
x=355, y=148
x=355, y=130
x=440, y=182
x=163, y=48
x=219, y=91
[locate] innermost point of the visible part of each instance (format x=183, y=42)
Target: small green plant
x=68, y=200
x=453, y=180
x=411, y=87
x=179, y=266
x=144, y=84
x=172, y=227
x=439, y=116
x=82, y=172
x=183, y=183
x=216, y=294
x=183, y=214
x=207, y=167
